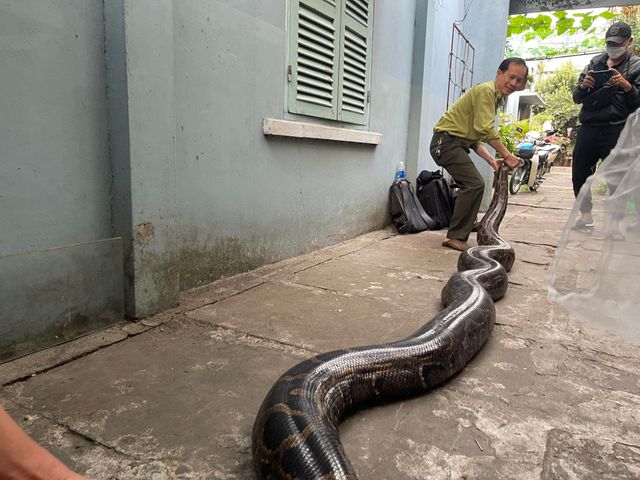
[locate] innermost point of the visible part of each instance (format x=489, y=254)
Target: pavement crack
x=632, y=445
x=61, y=363
x=341, y=255
x=400, y=421
x=576, y=347
x=535, y=244
x=234, y=336
x=72, y=431
x=531, y=262
x=308, y=267
x=542, y=207
x=221, y=298
x=527, y=340
x=306, y=286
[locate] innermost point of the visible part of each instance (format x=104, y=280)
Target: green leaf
x=544, y=32
x=563, y=25
x=586, y=23
x=517, y=20
x=542, y=21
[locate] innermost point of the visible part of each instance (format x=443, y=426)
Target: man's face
x=511, y=80
x=617, y=50
x=626, y=43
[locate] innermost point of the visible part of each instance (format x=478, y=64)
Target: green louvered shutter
x=313, y=54
x=355, y=60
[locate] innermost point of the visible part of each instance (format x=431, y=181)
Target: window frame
x=329, y=60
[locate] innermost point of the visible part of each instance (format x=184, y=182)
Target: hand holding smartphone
x=601, y=77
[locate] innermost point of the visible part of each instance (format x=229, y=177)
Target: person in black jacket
x=605, y=108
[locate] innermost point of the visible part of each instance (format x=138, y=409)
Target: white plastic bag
x=595, y=273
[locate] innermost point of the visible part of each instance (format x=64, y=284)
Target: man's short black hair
x=504, y=65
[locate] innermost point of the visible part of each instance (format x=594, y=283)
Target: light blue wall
x=60, y=270
x=245, y=199
x=139, y=43
x=54, y=157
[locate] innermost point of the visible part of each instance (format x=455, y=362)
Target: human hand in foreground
x=21, y=458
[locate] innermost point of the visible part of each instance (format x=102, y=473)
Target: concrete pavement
x=174, y=396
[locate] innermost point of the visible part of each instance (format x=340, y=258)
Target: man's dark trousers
x=452, y=153
x=593, y=143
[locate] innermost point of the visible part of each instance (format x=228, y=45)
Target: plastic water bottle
x=400, y=172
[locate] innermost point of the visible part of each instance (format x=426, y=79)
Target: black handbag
x=436, y=196
x=406, y=212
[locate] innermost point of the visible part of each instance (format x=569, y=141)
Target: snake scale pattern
x=295, y=435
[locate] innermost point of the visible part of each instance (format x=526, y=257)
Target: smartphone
x=601, y=77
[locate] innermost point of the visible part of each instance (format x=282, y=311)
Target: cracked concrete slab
x=406, y=289
x=171, y=401
x=352, y=320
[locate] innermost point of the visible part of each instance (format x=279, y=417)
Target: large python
x=295, y=435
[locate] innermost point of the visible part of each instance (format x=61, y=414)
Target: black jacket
x=609, y=105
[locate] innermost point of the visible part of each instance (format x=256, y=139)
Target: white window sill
x=286, y=128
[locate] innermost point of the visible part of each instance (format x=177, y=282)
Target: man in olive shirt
x=469, y=123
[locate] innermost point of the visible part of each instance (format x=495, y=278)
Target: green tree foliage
x=542, y=25
x=587, y=45
x=511, y=133
x=560, y=23
x=557, y=91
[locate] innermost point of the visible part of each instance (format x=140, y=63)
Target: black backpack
x=436, y=196
x=406, y=212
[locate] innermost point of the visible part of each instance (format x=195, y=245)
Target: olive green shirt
x=473, y=116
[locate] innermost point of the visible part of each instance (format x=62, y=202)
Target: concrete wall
x=139, y=41
x=60, y=272
x=53, y=128
x=245, y=199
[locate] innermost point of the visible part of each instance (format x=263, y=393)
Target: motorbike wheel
x=533, y=188
x=517, y=179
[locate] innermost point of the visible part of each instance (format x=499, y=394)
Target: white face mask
x=615, y=52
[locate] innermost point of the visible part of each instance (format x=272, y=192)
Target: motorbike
x=536, y=158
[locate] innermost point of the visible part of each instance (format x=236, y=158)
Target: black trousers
x=592, y=144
